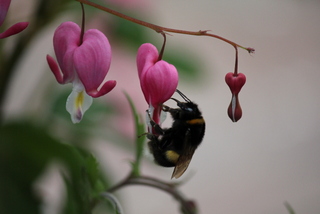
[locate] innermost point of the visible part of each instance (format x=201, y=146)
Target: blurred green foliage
x=27, y=149
x=25, y=152
x=139, y=144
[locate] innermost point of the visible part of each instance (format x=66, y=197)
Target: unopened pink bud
x=235, y=82
x=234, y=109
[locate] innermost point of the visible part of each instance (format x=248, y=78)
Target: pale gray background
x=272, y=154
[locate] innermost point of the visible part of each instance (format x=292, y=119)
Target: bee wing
x=183, y=163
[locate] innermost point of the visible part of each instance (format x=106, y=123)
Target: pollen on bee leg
x=77, y=104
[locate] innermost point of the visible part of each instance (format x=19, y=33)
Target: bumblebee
x=175, y=146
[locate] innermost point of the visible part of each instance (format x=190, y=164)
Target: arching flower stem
x=162, y=30
x=235, y=73
x=188, y=206
x=82, y=24
x=163, y=46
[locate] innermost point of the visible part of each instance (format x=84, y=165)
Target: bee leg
x=151, y=136
x=166, y=108
x=154, y=125
x=170, y=110
x=173, y=111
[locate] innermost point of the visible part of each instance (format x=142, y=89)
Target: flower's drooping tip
x=190, y=205
x=251, y=50
x=14, y=29
x=78, y=103
x=235, y=83
x=234, y=109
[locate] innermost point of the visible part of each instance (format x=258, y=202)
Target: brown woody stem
x=163, y=46
x=83, y=23
x=236, y=63
x=160, y=29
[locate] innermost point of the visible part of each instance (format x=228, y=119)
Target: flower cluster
x=86, y=63
x=84, y=57
x=14, y=29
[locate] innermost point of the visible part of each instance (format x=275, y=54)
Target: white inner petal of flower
x=234, y=102
x=78, y=101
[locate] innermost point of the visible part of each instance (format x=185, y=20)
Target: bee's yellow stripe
x=172, y=156
x=196, y=121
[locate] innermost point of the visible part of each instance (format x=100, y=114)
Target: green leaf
x=25, y=152
x=140, y=130
x=289, y=208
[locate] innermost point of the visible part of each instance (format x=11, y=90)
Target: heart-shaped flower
x=158, y=79
x=235, y=83
x=83, y=63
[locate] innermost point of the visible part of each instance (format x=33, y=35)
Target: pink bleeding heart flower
x=158, y=79
x=235, y=83
x=84, y=64
x=14, y=29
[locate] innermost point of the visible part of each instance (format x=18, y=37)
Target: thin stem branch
x=236, y=63
x=83, y=23
x=160, y=29
x=163, y=46
x=169, y=188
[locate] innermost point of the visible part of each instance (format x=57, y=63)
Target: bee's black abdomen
x=160, y=155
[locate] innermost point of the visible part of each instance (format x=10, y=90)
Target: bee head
x=188, y=108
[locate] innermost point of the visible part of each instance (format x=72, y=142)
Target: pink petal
x=4, y=7
x=92, y=61
x=147, y=56
x=14, y=29
x=235, y=82
x=158, y=79
x=65, y=40
x=106, y=88
x=161, y=81
x=234, y=109
x=55, y=69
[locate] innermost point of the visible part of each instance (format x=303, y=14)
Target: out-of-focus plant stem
x=170, y=188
